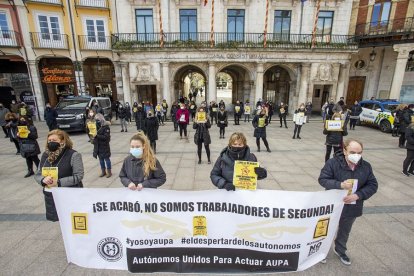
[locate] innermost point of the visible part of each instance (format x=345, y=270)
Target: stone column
x=399, y=71
x=304, y=83
x=259, y=83
x=212, y=94
x=342, y=81
x=37, y=86
x=166, y=94
x=80, y=80
x=126, y=82
x=118, y=80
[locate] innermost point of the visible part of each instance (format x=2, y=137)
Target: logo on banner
x=110, y=249
x=314, y=248
x=321, y=228
x=199, y=226
x=79, y=223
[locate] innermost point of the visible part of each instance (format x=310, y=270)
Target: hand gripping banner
x=212, y=231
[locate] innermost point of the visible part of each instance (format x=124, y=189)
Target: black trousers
x=408, y=165
x=284, y=119
x=270, y=118
x=175, y=125
x=402, y=139
x=247, y=117
x=297, y=130
x=5, y=131
x=183, y=127
x=30, y=160
x=16, y=143
x=352, y=123
x=222, y=131
x=154, y=145
x=344, y=228
x=192, y=115
x=213, y=116
x=200, y=146
x=329, y=150
x=264, y=141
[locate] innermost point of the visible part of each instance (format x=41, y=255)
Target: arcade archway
x=233, y=83
x=276, y=85
x=190, y=83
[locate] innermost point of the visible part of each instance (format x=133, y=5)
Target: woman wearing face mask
x=260, y=122
x=141, y=169
x=222, y=174
x=140, y=118
x=222, y=121
x=101, y=147
x=354, y=116
x=340, y=172
x=173, y=113
x=334, y=138
x=183, y=118
x=408, y=165
x=123, y=116
x=29, y=148
x=299, y=118
x=89, y=122
x=151, y=125
x=11, y=128
x=59, y=156
x=202, y=135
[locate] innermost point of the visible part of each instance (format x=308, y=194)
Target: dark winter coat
x=405, y=119
x=356, y=110
x=240, y=112
x=11, y=127
x=222, y=117
x=140, y=119
x=286, y=108
x=151, y=128
x=409, y=135
x=132, y=172
x=173, y=111
x=336, y=170
x=329, y=110
x=216, y=106
x=259, y=132
x=202, y=133
x=101, y=147
x=122, y=113
x=50, y=115
x=335, y=138
x=223, y=170
x=30, y=141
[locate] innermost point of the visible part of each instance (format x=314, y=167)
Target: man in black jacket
x=50, y=116
x=341, y=172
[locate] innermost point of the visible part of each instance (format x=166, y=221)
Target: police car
x=378, y=113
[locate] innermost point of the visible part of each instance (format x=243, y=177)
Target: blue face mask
x=136, y=152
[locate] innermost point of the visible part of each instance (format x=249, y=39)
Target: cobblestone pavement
x=381, y=242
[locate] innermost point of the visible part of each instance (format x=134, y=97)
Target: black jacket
x=30, y=140
x=140, y=119
x=336, y=170
x=122, y=113
x=259, y=132
x=173, y=112
x=50, y=115
x=151, y=128
x=405, y=119
x=202, y=133
x=409, y=135
x=222, y=117
x=101, y=147
x=132, y=172
x=335, y=138
x=223, y=170
x=356, y=110
x=286, y=108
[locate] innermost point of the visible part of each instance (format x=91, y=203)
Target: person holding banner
x=299, y=118
x=183, y=118
x=283, y=112
x=60, y=166
x=141, y=169
x=334, y=135
x=101, y=147
x=151, y=125
x=348, y=171
x=29, y=148
x=237, y=150
x=222, y=121
x=260, y=122
x=202, y=135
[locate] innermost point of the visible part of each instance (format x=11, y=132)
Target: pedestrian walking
x=260, y=123
x=283, y=112
x=356, y=109
x=183, y=118
x=396, y=115
x=11, y=127
x=29, y=148
x=323, y=111
x=3, y=112
x=405, y=120
x=140, y=168
x=237, y=149
x=334, y=138
x=299, y=118
x=101, y=146
x=238, y=111
x=140, y=118
x=408, y=164
x=50, y=116
x=222, y=121
x=60, y=157
x=151, y=125
x=213, y=112
x=174, y=109
x=128, y=112
x=329, y=110
x=115, y=108
x=123, y=117
x=308, y=108
x=202, y=135
x=346, y=169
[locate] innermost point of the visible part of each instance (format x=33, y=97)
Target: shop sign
x=56, y=75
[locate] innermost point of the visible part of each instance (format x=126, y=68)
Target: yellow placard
x=79, y=223
x=321, y=228
x=23, y=111
x=23, y=131
x=334, y=125
x=262, y=122
x=237, y=108
x=158, y=108
x=214, y=109
x=282, y=110
x=53, y=172
x=135, y=109
x=192, y=106
x=199, y=226
x=412, y=119
x=244, y=177
x=247, y=109
x=201, y=117
x=92, y=128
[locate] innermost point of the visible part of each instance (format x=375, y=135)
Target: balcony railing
x=384, y=28
x=92, y=3
x=49, y=40
x=53, y=2
x=87, y=42
x=9, y=39
x=134, y=41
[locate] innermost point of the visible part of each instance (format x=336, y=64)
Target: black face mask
x=237, y=153
x=53, y=146
x=98, y=124
x=23, y=123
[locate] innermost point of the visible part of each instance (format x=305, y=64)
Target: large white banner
x=198, y=231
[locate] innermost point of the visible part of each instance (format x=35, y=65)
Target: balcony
x=10, y=39
x=134, y=41
x=52, y=2
x=385, y=33
x=99, y=4
x=49, y=41
x=87, y=42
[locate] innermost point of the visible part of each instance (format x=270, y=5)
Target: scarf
x=52, y=156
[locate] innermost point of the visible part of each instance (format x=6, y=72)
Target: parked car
x=72, y=111
x=378, y=113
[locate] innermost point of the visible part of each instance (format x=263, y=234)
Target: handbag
x=27, y=148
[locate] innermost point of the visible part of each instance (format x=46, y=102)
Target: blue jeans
x=104, y=161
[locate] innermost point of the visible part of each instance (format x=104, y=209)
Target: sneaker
x=268, y=150
x=412, y=173
x=343, y=257
x=405, y=173
x=122, y=130
x=299, y=137
x=293, y=137
x=323, y=261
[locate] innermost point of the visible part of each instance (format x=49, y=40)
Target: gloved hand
x=229, y=186
x=261, y=172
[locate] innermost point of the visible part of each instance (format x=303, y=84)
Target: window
x=145, y=27
x=95, y=29
x=281, y=27
x=380, y=14
x=235, y=25
x=4, y=26
x=368, y=105
x=324, y=26
x=188, y=24
x=49, y=27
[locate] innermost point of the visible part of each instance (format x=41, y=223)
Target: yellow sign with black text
x=79, y=223
x=199, y=226
x=244, y=176
x=321, y=228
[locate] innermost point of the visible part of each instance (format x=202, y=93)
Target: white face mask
x=354, y=158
